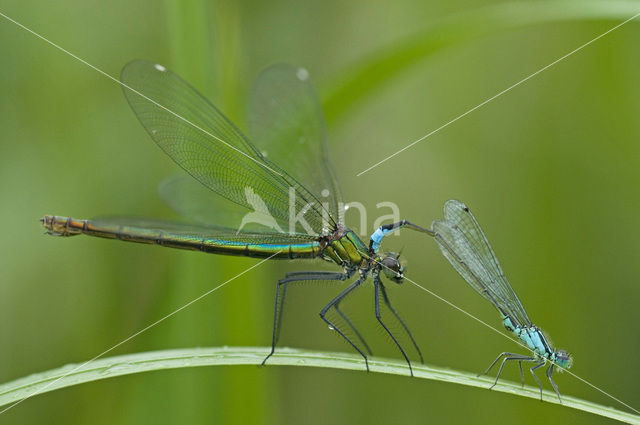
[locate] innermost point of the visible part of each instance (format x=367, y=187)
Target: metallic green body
x=347, y=250
x=65, y=226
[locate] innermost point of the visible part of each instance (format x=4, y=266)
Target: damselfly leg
x=508, y=356
x=533, y=372
x=281, y=294
x=549, y=373
x=383, y=291
x=377, y=284
x=344, y=317
x=522, y=358
x=333, y=326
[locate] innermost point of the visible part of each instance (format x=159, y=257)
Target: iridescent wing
x=201, y=140
x=464, y=244
x=287, y=123
x=196, y=203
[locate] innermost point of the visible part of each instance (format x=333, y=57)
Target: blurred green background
x=551, y=170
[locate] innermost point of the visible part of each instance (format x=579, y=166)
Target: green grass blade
x=206, y=48
x=371, y=73
x=70, y=375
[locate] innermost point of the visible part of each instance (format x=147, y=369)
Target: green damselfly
x=464, y=244
x=286, y=121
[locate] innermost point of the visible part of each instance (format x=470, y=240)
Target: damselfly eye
x=392, y=267
x=564, y=359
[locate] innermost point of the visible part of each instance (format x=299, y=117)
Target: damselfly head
x=392, y=267
x=564, y=359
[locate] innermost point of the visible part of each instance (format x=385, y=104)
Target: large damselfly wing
x=194, y=202
x=286, y=121
x=464, y=244
x=201, y=140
